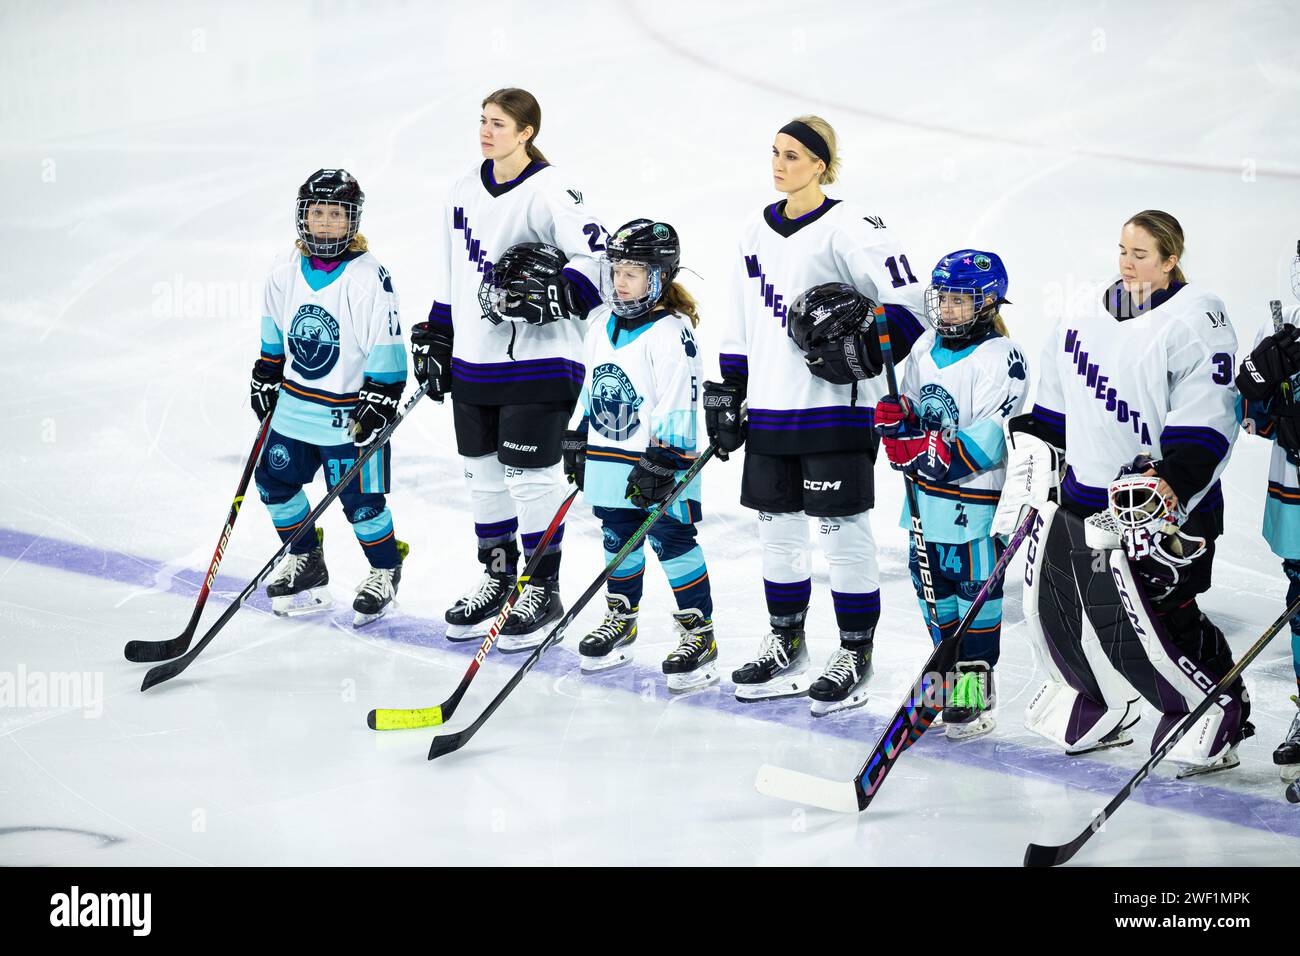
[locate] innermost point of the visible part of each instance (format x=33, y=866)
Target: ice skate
x=300, y=586
x=969, y=710
x=780, y=669
x=843, y=683
x=610, y=644
x=693, y=663
x=377, y=594
x=1287, y=754
x=530, y=619
x=473, y=613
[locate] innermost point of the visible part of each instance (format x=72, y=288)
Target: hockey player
x=1145, y=370
x=1268, y=382
x=965, y=379
x=332, y=349
x=514, y=276
x=811, y=447
x=636, y=437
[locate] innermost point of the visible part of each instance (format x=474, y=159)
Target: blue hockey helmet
x=966, y=288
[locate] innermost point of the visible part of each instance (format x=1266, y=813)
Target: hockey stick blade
x=414, y=718
x=838, y=795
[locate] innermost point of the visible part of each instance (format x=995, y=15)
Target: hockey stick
x=383, y=718
x=446, y=743
x=164, y=672
x=912, y=719
x=149, y=652
x=1275, y=306
x=1039, y=855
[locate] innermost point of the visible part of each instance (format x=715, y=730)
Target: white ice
x=148, y=163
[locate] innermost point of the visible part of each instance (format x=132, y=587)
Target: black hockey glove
x=376, y=407
x=845, y=361
x=1273, y=362
x=652, y=478
x=723, y=420
x=431, y=356
x=265, y=385
x=1287, y=419
x=540, y=301
x=574, y=448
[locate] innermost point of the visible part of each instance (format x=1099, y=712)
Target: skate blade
x=360, y=619
x=1104, y=745
x=1201, y=770
x=619, y=657
x=784, y=686
x=978, y=727
x=296, y=605
x=824, y=708
x=518, y=643
x=1290, y=772
x=468, y=632
x=698, y=679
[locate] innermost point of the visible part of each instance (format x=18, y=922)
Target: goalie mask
x=1150, y=532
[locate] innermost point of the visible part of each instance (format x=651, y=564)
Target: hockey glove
x=927, y=455
x=1033, y=476
x=539, y=301
x=431, y=356
x=652, y=478
x=376, y=407
x=1287, y=419
x=1273, y=362
x=848, y=360
x=894, y=413
x=723, y=420
x=574, y=448
x=264, y=386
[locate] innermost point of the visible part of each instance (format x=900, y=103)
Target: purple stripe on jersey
x=1049, y=416
x=1199, y=435
x=765, y=419
x=846, y=602
x=587, y=295
x=1213, y=499
x=735, y=364
x=793, y=591
x=905, y=327
x=525, y=371
x=1084, y=494
x=496, y=529
x=440, y=313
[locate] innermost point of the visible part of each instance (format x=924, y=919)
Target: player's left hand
x=376, y=407
x=652, y=478
x=927, y=455
x=1163, y=490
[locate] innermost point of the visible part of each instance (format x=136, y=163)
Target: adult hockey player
x=810, y=445
x=332, y=348
x=1141, y=382
x=637, y=436
x=963, y=382
x=1268, y=380
x=514, y=277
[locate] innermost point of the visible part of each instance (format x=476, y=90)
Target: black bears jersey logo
x=314, y=342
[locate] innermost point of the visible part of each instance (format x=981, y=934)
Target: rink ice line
x=990, y=754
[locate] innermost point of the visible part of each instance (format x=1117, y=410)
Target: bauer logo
x=314, y=341
x=278, y=456
x=614, y=403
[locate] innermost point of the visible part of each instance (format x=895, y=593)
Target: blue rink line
x=1099, y=775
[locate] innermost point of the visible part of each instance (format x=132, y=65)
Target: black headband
x=810, y=139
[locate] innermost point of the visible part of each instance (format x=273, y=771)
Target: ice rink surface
x=148, y=161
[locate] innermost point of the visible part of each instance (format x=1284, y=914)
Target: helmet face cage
x=1136, y=504
x=335, y=224
x=521, y=274
x=636, y=306
x=826, y=313
x=496, y=298
x=959, y=312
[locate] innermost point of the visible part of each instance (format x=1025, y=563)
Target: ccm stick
x=446, y=743
x=383, y=718
x=912, y=719
x=168, y=670
x=150, y=652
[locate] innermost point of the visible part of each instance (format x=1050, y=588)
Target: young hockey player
x=1145, y=370
x=1268, y=381
x=636, y=437
x=811, y=447
x=515, y=274
x=332, y=349
x=964, y=380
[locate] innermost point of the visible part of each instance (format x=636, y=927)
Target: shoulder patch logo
x=875, y=221
x=385, y=279
x=575, y=196
x=614, y=403
x=313, y=341
x=1016, y=364
x=688, y=343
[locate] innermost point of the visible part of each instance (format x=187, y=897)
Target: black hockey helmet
x=324, y=188
x=827, y=313
x=515, y=288
x=641, y=242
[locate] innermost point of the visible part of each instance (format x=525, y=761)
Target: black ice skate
x=968, y=712
x=780, y=670
x=300, y=586
x=610, y=644
x=693, y=663
x=1287, y=754
x=473, y=613
x=377, y=594
x=538, y=607
x=843, y=684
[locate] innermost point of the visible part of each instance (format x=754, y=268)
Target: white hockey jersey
x=968, y=393
x=1282, y=506
x=512, y=363
x=1160, y=383
x=331, y=330
x=790, y=410
x=641, y=391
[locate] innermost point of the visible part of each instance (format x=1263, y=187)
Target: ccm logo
x=809, y=485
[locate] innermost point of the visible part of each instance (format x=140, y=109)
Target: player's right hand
x=1274, y=361
x=264, y=385
x=723, y=419
x=431, y=357
x=574, y=448
x=893, y=413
